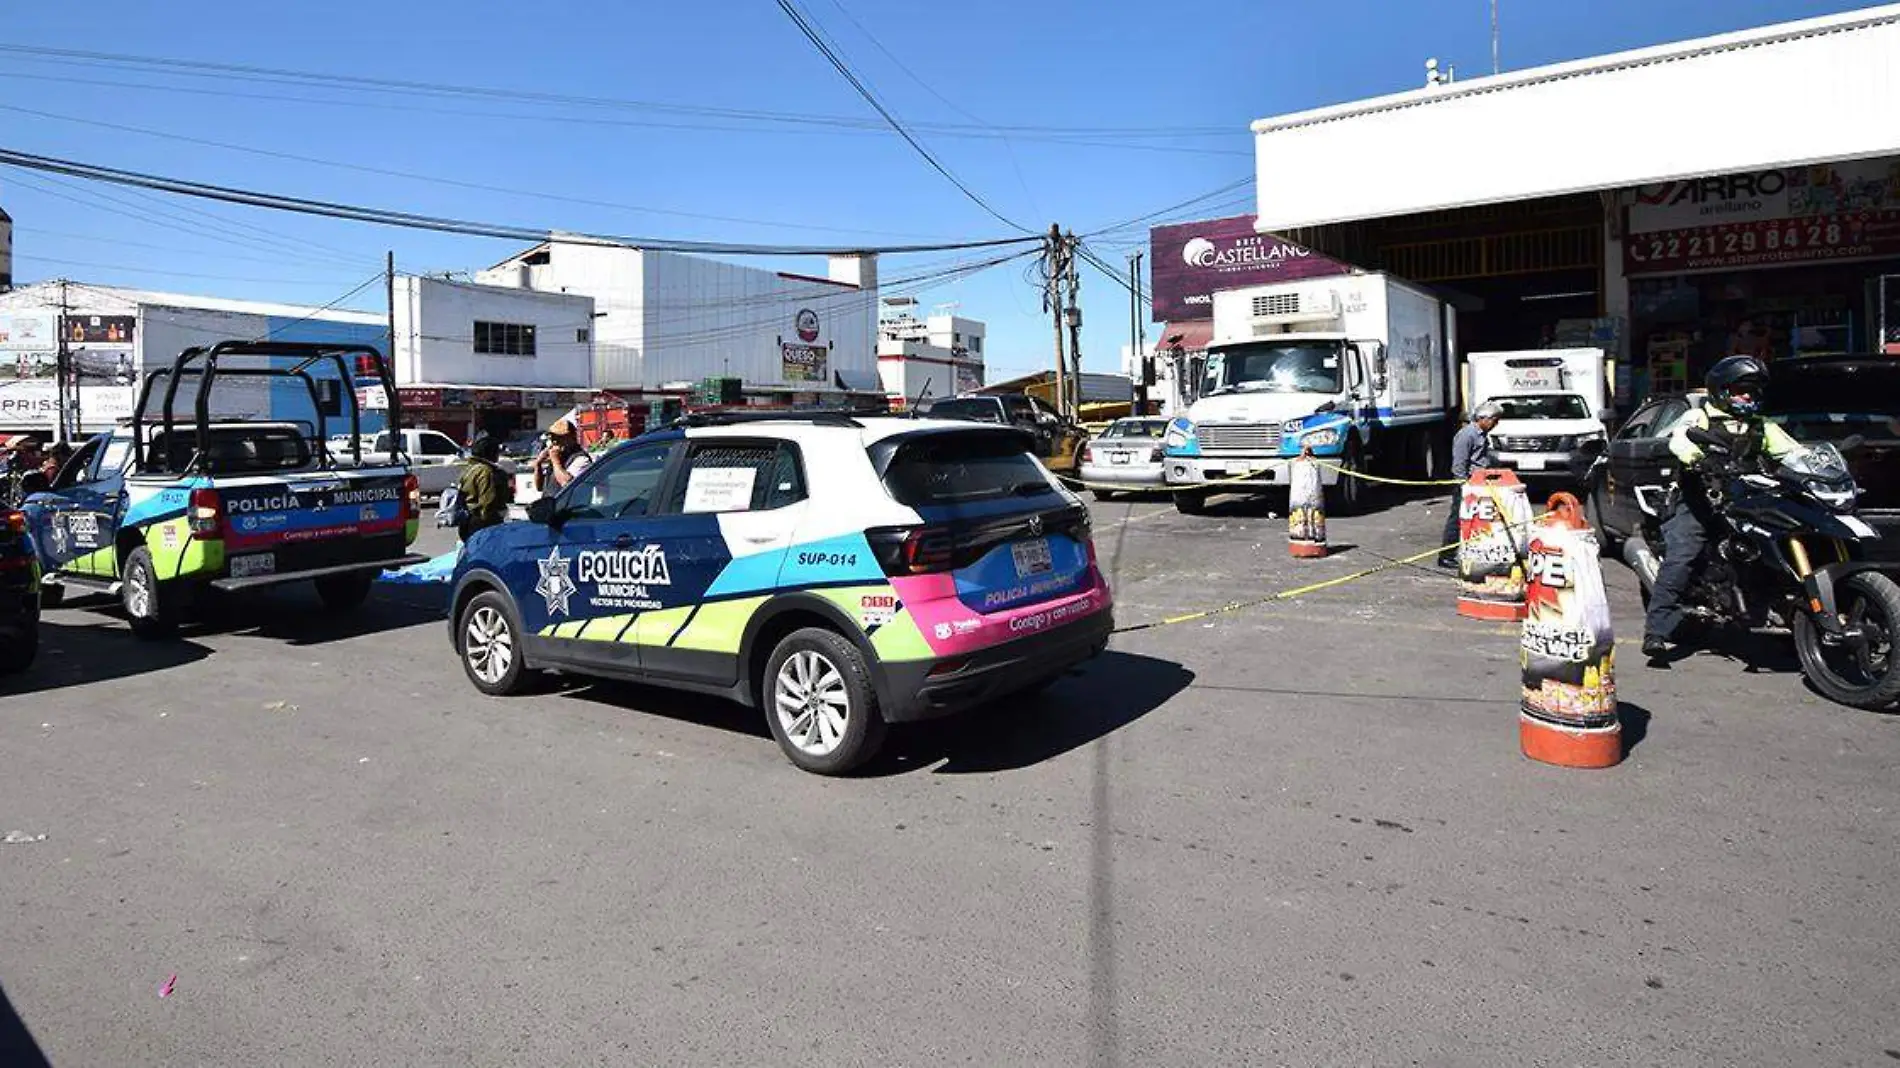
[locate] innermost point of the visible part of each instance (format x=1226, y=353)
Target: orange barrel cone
x=1567, y=650
x=1494, y=514
x=1306, y=510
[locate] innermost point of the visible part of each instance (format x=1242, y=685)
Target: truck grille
x=1277, y=304
x=1240, y=437
x=1529, y=444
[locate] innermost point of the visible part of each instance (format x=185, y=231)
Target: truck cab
x=1551, y=405
x=1352, y=370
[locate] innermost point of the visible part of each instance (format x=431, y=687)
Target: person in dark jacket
x=486, y=489
x=1470, y=451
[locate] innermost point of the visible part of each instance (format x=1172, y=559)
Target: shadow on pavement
x=1635, y=721
x=1106, y=694
x=78, y=655
x=293, y=614
x=678, y=705
x=17, y=1046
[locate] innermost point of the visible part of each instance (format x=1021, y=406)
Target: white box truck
x=1358, y=368
x=1553, y=401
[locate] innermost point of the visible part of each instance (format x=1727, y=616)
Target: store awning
x=1194, y=335
x=1779, y=96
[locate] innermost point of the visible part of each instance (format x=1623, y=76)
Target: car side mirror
x=542, y=511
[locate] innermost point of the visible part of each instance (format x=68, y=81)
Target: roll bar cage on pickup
x=308, y=353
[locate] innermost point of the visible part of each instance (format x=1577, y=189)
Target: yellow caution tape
x=1301, y=591
x=1369, y=477
x=1170, y=487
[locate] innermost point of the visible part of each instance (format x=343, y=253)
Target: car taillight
x=1154, y=455
x=1088, y=454
x=411, y=498
x=911, y=550
x=15, y=522
x=206, y=513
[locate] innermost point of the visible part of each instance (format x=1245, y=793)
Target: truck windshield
x=1274, y=367
x=1543, y=406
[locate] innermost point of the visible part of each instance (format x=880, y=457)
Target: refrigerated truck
x=1553, y=401
x=1357, y=368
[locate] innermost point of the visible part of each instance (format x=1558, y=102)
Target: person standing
x=1470, y=451
x=562, y=461
x=485, y=489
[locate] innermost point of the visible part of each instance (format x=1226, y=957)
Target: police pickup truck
x=170, y=507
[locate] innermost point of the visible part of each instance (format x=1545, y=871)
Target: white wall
x=435, y=331
x=1801, y=92
x=704, y=317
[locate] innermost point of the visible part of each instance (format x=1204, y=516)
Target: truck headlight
x=1176, y=437
x=1324, y=438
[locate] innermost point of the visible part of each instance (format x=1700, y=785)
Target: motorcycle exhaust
x=1637, y=555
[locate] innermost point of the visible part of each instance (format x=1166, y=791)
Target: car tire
x=820, y=704
x=17, y=653
x=488, y=641
x=1190, y=502
x=148, y=605
x=52, y=595
x=346, y=592
x=1348, y=495
x=1104, y=495
x=1608, y=544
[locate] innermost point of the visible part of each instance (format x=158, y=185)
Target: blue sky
x=1107, y=86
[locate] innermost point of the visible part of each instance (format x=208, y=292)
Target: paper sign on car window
x=720, y=489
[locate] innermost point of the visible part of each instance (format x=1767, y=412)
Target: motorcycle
x=1785, y=551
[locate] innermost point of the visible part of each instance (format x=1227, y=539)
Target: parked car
x=1126, y=455
x=837, y=574
x=19, y=594
x=1058, y=440
x=434, y=457
x=1852, y=402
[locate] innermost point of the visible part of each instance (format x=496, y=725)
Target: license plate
x=1117, y=457
x=254, y=564
x=1032, y=557
x=1531, y=463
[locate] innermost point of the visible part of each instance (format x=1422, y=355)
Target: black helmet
x=1738, y=384
x=485, y=446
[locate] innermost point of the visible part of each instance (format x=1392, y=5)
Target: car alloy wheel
x=489, y=644
x=811, y=702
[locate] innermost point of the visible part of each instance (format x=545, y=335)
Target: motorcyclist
x=1737, y=387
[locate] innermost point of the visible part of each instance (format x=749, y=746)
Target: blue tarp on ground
x=436, y=570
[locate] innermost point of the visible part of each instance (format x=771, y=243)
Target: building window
x=956, y=338
x=580, y=336
x=504, y=339
x=976, y=343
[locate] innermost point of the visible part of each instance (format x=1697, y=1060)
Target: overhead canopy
x=1814, y=91
x=1194, y=335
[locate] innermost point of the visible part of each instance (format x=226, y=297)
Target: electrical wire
x=442, y=224
x=805, y=26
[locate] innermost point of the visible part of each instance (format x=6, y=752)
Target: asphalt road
x=1300, y=834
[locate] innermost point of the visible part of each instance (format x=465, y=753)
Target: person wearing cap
x=562, y=461
x=485, y=489
x=1470, y=451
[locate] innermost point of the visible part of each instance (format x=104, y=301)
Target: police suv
x=839, y=573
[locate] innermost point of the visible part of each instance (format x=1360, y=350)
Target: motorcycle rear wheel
x=1861, y=674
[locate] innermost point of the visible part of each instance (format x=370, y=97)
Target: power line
x=804, y=25
x=33, y=257
x=65, y=57
x=442, y=224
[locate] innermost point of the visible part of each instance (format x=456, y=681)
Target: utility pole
x=1144, y=364
x=1073, y=313
x=66, y=392
x=1494, y=36
x=1052, y=303
x=389, y=353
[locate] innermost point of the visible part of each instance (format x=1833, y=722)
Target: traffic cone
x=1494, y=512
x=1567, y=648
x=1306, y=510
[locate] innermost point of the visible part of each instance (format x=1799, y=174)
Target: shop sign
x=1795, y=215
x=34, y=404
x=495, y=398
x=1193, y=260
x=806, y=324
x=801, y=363
x=419, y=398
x=100, y=329
x=372, y=399
x=26, y=331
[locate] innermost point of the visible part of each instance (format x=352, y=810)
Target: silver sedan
x=1125, y=458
